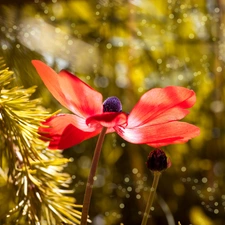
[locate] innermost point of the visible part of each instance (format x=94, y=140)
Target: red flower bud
x=157, y=160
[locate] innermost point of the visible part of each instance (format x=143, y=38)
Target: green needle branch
x=31, y=176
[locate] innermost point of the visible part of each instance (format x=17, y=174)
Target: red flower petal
x=161, y=105
x=70, y=91
x=65, y=130
x=81, y=96
x=107, y=119
x=159, y=134
x=50, y=79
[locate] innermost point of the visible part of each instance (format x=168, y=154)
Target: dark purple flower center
x=112, y=104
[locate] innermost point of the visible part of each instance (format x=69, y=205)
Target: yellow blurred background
x=125, y=48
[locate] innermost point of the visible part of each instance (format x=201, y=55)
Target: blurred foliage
x=124, y=48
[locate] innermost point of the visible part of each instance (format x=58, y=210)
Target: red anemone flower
x=152, y=121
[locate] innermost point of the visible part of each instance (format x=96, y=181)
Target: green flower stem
x=89, y=185
x=151, y=197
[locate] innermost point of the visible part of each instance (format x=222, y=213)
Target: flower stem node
x=112, y=104
x=157, y=161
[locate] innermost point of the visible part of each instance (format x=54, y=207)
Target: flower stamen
x=112, y=104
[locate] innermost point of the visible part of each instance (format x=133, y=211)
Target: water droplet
x=191, y=36
x=159, y=61
x=121, y=205
x=4, y=47
x=123, y=145
x=138, y=196
x=109, y=46
x=180, y=77
x=216, y=10
x=204, y=180
x=129, y=189
x=171, y=16
x=219, y=69
x=216, y=211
